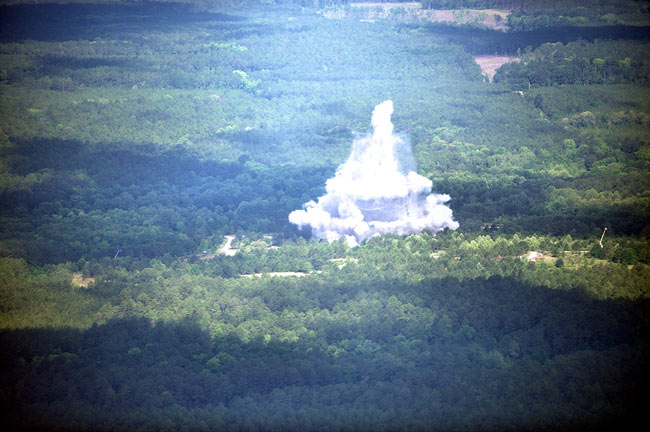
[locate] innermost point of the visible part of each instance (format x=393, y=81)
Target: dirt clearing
x=490, y=64
x=495, y=19
x=78, y=279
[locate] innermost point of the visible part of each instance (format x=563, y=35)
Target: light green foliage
x=42, y=297
x=246, y=82
x=156, y=133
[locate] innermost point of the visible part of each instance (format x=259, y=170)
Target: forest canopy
x=151, y=152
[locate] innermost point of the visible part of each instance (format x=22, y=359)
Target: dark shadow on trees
x=186, y=197
x=480, y=41
x=60, y=22
x=500, y=354
x=522, y=207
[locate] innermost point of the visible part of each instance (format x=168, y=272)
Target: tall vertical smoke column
x=376, y=192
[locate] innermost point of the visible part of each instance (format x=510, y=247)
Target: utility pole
x=602, y=237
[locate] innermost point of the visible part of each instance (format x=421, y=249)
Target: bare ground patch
x=490, y=64
x=281, y=274
x=78, y=279
x=491, y=18
x=496, y=19
x=227, y=249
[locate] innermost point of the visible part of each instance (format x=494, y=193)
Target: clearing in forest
x=78, y=279
x=490, y=64
x=496, y=19
x=227, y=249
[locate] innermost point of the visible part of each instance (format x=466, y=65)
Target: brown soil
x=490, y=64
x=412, y=12
x=79, y=280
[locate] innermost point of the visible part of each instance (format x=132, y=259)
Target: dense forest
x=151, y=152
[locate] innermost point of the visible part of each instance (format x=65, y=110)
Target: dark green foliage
x=154, y=130
x=483, y=41
x=429, y=355
x=579, y=63
x=92, y=203
x=543, y=14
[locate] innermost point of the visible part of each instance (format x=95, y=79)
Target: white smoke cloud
x=376, y=191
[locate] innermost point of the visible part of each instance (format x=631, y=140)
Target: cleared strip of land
x=490, y=64
x=496, y=19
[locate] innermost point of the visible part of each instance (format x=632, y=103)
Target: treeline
x=634, y=13
x=570, y=7
x=76, y=294
x=579, y=62
x=531, y=5
x=479, y=41
x=523, y=5
x=127, y=285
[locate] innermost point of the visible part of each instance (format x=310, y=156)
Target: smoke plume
x=376, y=191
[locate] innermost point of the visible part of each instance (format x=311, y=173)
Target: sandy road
x=227, y=249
